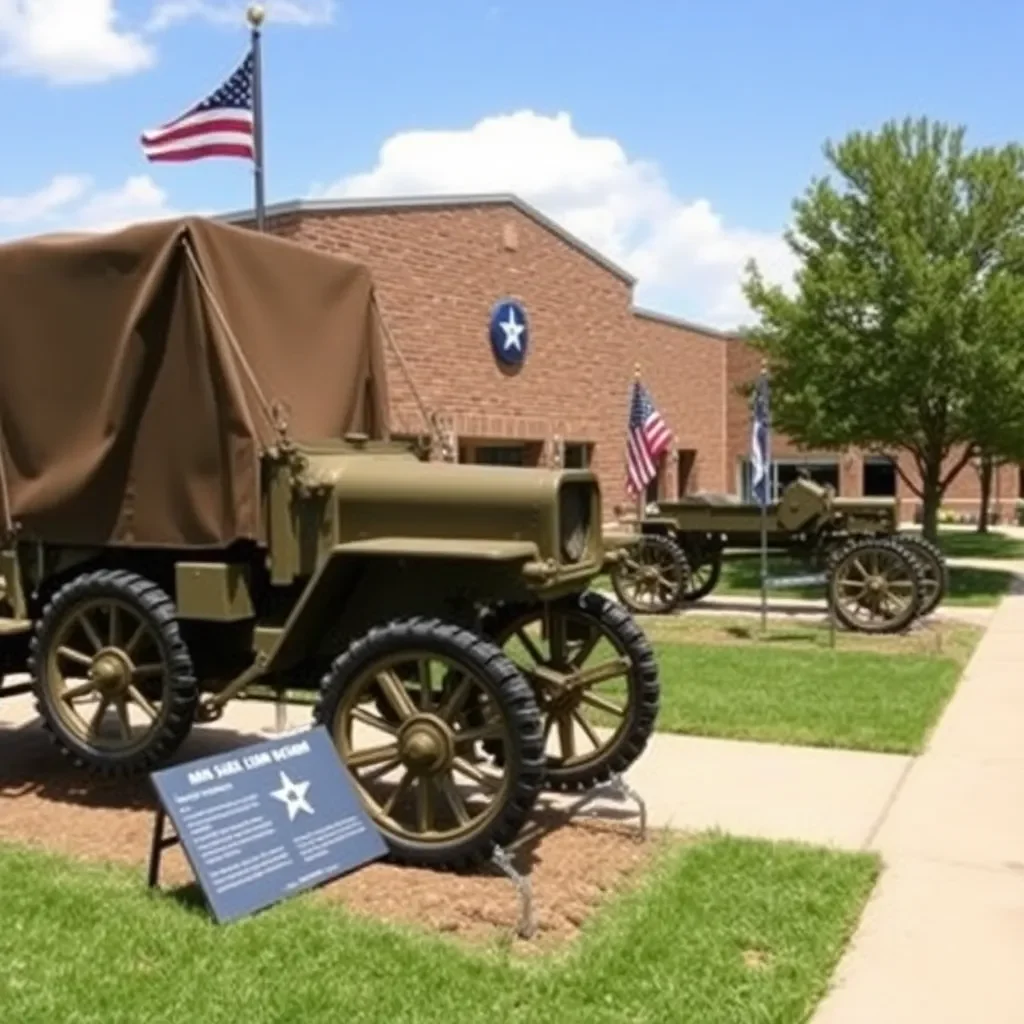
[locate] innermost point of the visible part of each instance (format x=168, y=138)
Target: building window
x=879, y=477
x=499, y=455
x=578, y=455
x=482, y=453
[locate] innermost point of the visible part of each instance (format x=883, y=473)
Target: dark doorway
x=686, y=472
x=654, y=487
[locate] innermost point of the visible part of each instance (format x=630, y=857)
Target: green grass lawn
x=741, y=575
x=850, y=699
x=723, y=930
x=720, y=677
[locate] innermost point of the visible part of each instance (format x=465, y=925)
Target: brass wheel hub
x=426, y=745
x=111, y=670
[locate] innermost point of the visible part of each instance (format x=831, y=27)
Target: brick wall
x=685, y=371
x=438, y=272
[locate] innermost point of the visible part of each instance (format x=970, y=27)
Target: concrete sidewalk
x=941, y=938
x=827, y=797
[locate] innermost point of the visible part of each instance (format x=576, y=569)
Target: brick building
x=442, y=263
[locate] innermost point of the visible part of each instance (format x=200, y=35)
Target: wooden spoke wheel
x=652, y=576
x=408, y=706
x=704, y=575
x=596, y=680
x=875, y=586
x=934, y=569
x=114, y=681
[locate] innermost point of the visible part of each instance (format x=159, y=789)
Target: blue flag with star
x=760, y=464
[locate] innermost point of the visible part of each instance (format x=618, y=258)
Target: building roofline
x=687, y=325
x=300, y=206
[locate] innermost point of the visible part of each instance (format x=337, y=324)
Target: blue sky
x=686, y=128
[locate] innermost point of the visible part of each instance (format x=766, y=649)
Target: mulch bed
x=574, y=865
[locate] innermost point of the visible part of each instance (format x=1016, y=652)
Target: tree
x=987, y=466
x=904, y=332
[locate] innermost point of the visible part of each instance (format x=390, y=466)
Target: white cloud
x=232, y=12
x=687, y=260
x=68, y=42
x=138, y=198
x=80, y=42
x=71, y=202
x=57, y=194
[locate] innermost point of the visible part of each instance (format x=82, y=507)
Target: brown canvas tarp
x=127, y=415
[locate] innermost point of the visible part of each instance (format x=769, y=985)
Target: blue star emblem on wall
x=510, y=332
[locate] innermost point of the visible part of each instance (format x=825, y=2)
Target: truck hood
x=395, y=496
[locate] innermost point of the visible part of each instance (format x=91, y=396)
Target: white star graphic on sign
x=512, y=331
x=293, y=796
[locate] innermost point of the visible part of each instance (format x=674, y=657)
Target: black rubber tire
x=512, y=697
x=697, y=592
x=680, y=568
x=644, y=690
x=181, y=694
x=936, y=570
x=896, y=625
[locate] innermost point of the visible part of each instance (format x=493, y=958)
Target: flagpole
x=641, y=498
x=766, y=497
x=255, y=15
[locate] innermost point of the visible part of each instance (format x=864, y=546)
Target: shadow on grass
x=775, y=635
x=187, y=896
x=974, y=585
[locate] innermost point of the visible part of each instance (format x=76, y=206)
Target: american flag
x=647, y=438
x=220, y=125
x=759, y=458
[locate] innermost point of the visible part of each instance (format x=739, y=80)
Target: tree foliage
x=905, y=330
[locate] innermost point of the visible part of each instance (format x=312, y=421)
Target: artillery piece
x=877, y=579
x=199, y=498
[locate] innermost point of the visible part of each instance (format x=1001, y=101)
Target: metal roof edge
x=299, y=206
x=687, y=325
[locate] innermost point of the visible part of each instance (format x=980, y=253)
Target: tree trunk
x=931, y=499
x=986, y=472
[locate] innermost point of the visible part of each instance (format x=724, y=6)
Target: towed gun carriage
x=878, y=580
x=201, y=501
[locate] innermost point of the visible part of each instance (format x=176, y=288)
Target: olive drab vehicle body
x=679, y=558
x=201, y=501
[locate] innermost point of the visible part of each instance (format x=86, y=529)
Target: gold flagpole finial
x=255, y=15
x=636, y=370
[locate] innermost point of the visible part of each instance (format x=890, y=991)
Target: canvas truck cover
x=135, y=378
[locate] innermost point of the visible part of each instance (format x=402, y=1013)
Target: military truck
x=878, y=579
x=199, y=496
